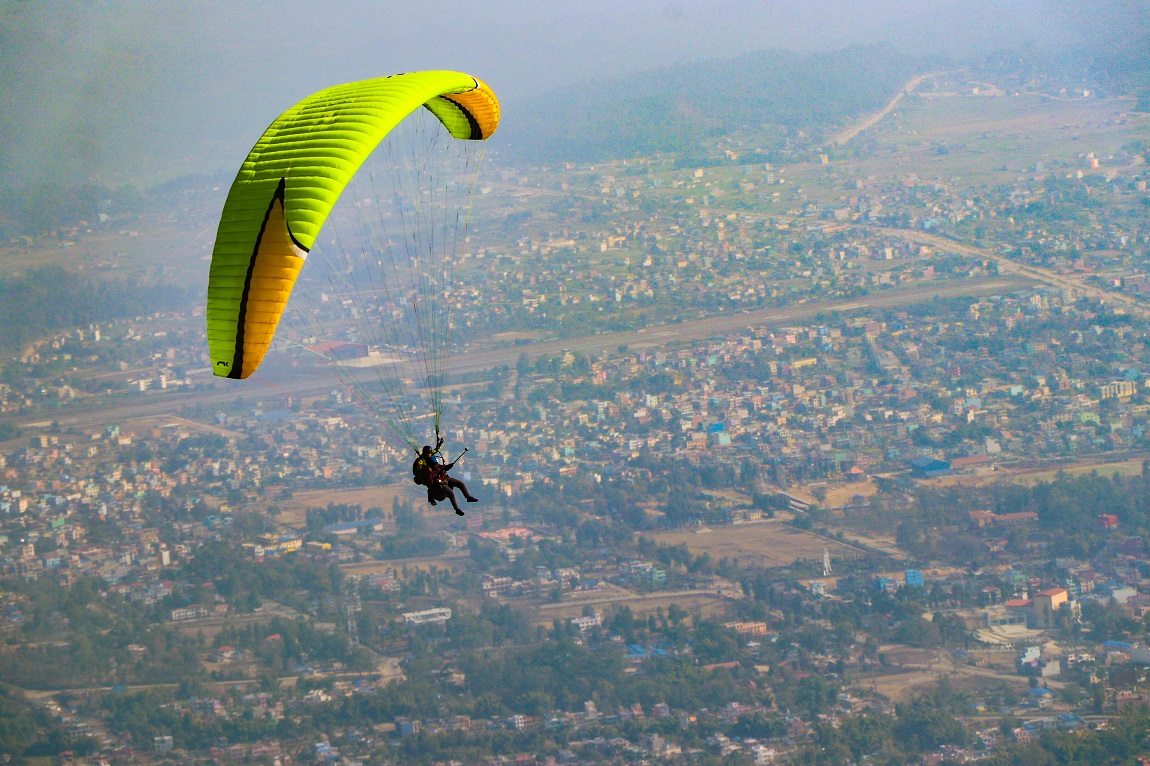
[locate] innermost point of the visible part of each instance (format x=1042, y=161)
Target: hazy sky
x=114, y=90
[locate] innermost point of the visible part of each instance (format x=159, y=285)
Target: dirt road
x=841, y=138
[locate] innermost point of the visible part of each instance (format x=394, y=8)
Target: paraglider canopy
x=289, y=183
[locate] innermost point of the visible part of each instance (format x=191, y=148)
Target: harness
x=428, y=473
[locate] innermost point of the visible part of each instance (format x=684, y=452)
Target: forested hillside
x=49, y=298
x=674, y=109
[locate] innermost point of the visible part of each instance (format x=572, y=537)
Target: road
x=948, y=245
x=841, y=138
x=473, y=361
x=1008, y=266
x=389, y=669
x=1005, y=265
x=700, y=329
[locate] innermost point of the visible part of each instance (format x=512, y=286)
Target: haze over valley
x=799, y=353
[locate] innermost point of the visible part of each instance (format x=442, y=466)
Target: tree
x=814, y=694
x=922, y=728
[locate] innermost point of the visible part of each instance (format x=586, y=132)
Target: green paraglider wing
x=289, y=183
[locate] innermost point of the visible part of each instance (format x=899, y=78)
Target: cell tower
x=826, y=563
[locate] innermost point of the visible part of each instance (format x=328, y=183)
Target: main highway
x=476, y=360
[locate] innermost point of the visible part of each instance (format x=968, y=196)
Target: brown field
x=900, y=687
x=708, y=606
x=1026, y=128
x=1125, y=468
x=510, y=337
x=151, y=251
x=293, y=511
x=765, y=545
x=730, y=495
x=1031, y=476
x=145, y=426
x=448, y=561
x=903, y=687
x=918, y=669
x=837, y=497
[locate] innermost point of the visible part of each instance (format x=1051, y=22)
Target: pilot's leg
x=457, y=484
x=446, y=490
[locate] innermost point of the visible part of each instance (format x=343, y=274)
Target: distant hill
x=1108, y=71
x=679, y=109
x=674, y=109
x=49, y=298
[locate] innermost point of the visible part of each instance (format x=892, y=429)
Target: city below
x=831, y=454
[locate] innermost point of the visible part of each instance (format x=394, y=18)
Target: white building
x=443, y=614
x=586, y=623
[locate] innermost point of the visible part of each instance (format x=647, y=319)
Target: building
x=993, y=616
x=1140, y=655
x=971, y=461
x=1118, y=389
x=1047, y=604
x=586, y=623
x=982, y=519
x=1070, y=722
x=497, y=587
x=928, y=467
x=1015, y=519
x=443, y=614
x=189, y=613
x=348, y=528
x=1041, y=698
x=1019, y=610
x=747, y=628
x=797, y=504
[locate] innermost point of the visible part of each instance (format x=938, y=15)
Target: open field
x=1031, y=476
x=995, y=137
x=869, y=122
x=445, y=562
x=837, y=497
x=769, y=544
x=921, y=669
x=210, y=627
x=146, y=425
x=293, y=512
x=903, y=687
x=709, y=604
x=161, y=252
x=944, y=129
x=1123, y=467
